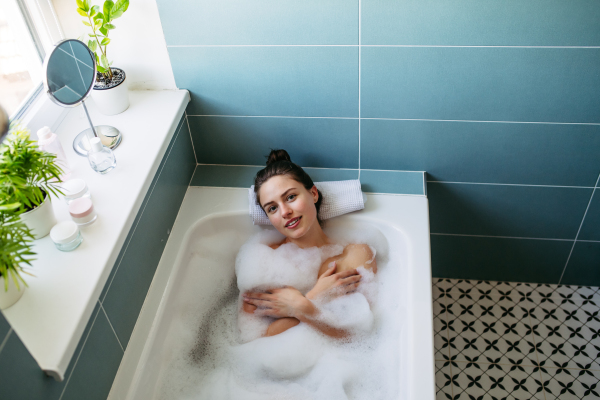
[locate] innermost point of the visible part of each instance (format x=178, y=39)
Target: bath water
x=223, y=354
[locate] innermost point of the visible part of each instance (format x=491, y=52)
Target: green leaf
x=101, y=69
x=82, y=12
x=104, y=31
x=104, y=61
x=99, y=16
x=97, y=24
x=87, y=23
x=94, y=11
x=9, y=207
x=105, y=41
x=86, y=4
x=108, y=26
x=80, y=4
x=119, y=8
x=108, y=6
x=92, y=45
x=91, y=35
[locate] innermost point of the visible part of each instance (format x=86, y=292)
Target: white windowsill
x=53, y=312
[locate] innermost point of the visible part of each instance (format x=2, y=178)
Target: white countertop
x=54, y=310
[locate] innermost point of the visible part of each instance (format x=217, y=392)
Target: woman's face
x=289, y=206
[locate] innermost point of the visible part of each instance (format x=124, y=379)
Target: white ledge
x=52, y=314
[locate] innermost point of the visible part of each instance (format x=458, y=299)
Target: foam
x=222, y=354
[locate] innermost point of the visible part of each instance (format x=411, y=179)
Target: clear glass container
x=101, y=158
x=48, y=141
x=75, y=189
x=66, y=236
x=82, y=211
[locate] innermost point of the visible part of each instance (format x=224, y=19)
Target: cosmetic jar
x=75, y=189
x=82, y=211
x=66, y=236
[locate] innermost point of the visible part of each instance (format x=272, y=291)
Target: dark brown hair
x=279, y=163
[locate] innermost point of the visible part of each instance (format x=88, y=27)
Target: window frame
x=44, y=12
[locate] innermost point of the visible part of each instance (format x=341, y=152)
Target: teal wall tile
x=181, y=125
x=481, y=84
x=228, y=22
x=311, y=142
x=498, y=259
x=506, y=210
x=21, y=377
x=398, y=182
x=127, y=290
x=590, y=230
x=538, y=154
x=323, y=175
x=224, y=176
x=4, y=325
x=487, y=23
x=97, y=365
x=584, y=265
x=243, y=176
x=285, y=81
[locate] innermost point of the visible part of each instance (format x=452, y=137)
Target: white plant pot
x=112, y=101
x=41, y=219
x=9, y=298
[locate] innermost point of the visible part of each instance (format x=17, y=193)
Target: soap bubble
x=217, y=351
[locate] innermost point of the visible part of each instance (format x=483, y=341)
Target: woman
x=291, y=201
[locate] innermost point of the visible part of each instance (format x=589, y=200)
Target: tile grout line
x=10, y=330
x=537, y=357
x=359, y=70
x=579, y=230
x=79, y=355
x=399, y=119
x=151, y=190
x=500, y=237
x=511, y=184
x=381, y=45
x=191, y=140
x=111, y=326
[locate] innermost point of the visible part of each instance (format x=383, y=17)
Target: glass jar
x=82, y=211
x=66, y=236
x=75, y=189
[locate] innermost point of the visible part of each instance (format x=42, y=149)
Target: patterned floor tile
x=512, y=340
x=496, y=381
x=565, y=384
x=443, y=381
x=490, y=329
x=567, y=334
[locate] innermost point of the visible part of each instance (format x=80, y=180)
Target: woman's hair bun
x=278, y=155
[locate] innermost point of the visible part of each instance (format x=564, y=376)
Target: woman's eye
x=291, y=195
x=272, y=208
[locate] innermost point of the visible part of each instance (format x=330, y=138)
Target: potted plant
x=15, y=250
x=110, y=90
x=27, y=178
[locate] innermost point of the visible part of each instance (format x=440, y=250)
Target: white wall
x=137, y=44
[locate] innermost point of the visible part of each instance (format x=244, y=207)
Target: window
x=28, y=29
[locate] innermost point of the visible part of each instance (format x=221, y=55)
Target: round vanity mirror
x=70, y=73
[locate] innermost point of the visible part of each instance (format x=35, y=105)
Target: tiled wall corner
x=97, y=357
x=497, y=102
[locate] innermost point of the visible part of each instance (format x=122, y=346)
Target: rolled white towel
x=339, y=197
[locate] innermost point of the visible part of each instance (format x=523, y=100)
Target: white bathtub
x=219, y=216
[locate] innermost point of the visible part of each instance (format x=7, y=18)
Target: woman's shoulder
x=359, y=251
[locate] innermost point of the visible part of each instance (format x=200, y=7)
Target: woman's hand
x=279, y=303
x=331, y=284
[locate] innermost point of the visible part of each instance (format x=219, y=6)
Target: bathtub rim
x=209, y=203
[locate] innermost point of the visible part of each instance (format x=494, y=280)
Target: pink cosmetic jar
x=82, y=211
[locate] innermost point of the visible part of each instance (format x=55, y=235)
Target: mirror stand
x=109, y=136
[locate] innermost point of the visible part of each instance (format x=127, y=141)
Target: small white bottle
x=48, y=141
x=101, y=158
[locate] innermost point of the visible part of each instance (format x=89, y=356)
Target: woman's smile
x=293, y=223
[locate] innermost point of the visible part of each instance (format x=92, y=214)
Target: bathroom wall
x=94, y=365
x=496, y=100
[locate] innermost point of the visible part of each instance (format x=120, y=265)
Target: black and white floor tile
x=510, y=340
